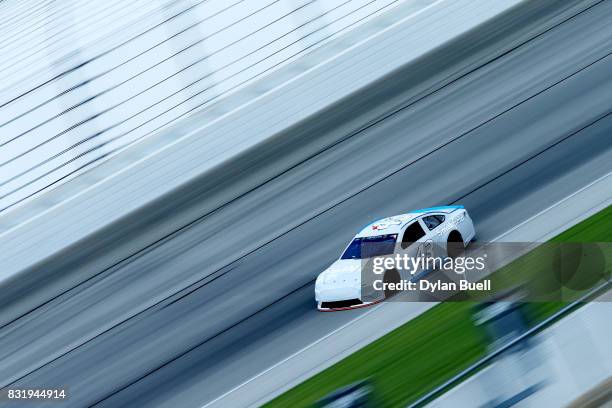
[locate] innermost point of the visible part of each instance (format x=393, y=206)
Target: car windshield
x=369, y=247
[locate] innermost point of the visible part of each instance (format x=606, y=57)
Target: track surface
x=506, y=141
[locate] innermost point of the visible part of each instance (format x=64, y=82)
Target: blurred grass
x=597, y=228
x=430, y=349
x=404, y=363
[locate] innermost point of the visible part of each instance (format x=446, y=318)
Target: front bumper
x=336, y=293
x=332, y=298
x=344, y=305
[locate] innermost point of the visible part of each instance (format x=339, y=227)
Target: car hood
x=347, y=271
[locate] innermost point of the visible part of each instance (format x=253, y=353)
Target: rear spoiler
x=445, y=209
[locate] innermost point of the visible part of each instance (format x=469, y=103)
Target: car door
x=412, y=234
x=434, y=225
x=413, y=240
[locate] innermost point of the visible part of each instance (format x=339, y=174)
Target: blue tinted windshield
x=369, y=247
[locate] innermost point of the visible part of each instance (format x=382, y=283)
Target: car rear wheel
x=454, y=245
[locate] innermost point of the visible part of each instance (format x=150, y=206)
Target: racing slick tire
x=391, y=276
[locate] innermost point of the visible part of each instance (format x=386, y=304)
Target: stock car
x=339, y=287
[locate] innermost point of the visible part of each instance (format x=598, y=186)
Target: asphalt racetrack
x=506, y=141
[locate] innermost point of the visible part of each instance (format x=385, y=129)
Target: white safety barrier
x=561, y=364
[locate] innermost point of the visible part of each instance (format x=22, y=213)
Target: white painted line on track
x=549, y=234
x=294, y=355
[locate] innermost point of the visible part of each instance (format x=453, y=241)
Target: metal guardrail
x=458, y=378
x=82, y=80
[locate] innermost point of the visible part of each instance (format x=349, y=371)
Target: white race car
x=339, y=287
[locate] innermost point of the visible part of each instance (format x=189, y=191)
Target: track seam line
x=544, y=211
x=272, y=367
x=189, y=225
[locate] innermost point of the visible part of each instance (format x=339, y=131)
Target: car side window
x=413, y=233
x=432, y=221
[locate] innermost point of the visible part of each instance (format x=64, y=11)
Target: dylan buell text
x=433, y=286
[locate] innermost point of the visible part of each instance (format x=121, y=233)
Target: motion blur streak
x=83, y=80
x=127, y=337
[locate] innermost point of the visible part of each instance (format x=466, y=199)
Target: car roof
x=394, y=224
